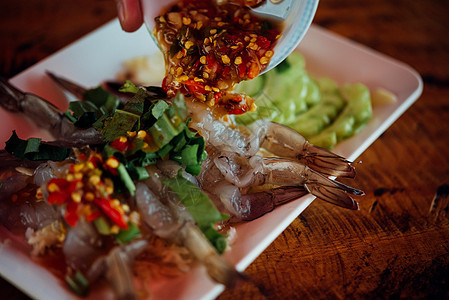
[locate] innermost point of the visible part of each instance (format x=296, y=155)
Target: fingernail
x=121, y=11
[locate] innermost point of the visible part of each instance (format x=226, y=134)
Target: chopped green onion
x=126, y=179
x=102, y=226
x=126, y=235
x=33, y=149
x=78, y=283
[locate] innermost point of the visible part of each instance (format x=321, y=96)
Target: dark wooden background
x=397, y=245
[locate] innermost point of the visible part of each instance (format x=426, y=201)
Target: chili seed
x=215, y=89
x=114, y=229
x=264, y=60
x=186, y=21
x=253, y=40
x=188, y=44
x=238, y=60
x=89, y=196
x=76, y=197
x=184, y=78
x=269, y=53
x=125, y=208
x=53, y=187
x=199, y=24
x=141, y=134
x=213, y=31
x=203, y=60
x=211, y=102
x=179, y=71
x=39, y=194
x=254, y=47
x=205, y=75
x=94, y=179
x=207, y=88
x=225, y=59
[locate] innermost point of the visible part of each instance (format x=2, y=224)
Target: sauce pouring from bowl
x=295, y=17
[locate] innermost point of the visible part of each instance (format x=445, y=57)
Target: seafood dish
x=136, y=169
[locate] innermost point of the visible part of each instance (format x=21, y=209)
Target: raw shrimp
x=247, y=207
x=233, y=167
x=116, y=267
x=275, y=138
x=229, y=176
x=173, y=222
x=46, y=116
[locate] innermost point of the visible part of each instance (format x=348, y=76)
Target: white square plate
x=100, y=55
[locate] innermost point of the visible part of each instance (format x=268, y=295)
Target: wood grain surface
x=397, y=245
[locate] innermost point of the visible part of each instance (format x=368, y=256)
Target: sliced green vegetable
x=313, y=121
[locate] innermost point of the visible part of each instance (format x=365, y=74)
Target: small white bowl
x=298, y=19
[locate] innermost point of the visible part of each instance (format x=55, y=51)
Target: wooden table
x=397, y=245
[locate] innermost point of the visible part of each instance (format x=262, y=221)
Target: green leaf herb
x=200, y=207
x=33, y=149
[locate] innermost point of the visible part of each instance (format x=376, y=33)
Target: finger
x=129, y=14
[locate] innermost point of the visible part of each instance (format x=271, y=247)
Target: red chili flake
x=263, y=42
x=226, y=71
x=165, y=83
x=242, y=69
x=62, y=194
x=58, y=197
x=121, y=146
x=92, y=216
x=218, y=96
x=253, y=71
x=271, y=34
x=96, y=161
x=71, y=213
x=237, y=111
x=113, y=214
x=195, y=87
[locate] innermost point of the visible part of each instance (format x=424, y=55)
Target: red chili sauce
x=209, y=48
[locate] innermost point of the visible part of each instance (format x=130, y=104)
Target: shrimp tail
x=68, y=86
x=327, y=162
x=261, y=203
x=10, y=97
x=332, y=191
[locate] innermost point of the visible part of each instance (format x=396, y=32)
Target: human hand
x=130, y=14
